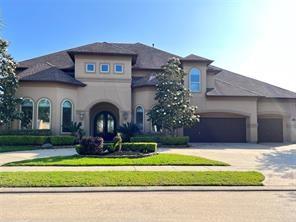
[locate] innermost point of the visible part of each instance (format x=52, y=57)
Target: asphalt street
x=150, y=206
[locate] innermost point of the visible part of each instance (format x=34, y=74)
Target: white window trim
x=199, y=82
x=50, y=112
x=101, y=71
x=33, y=113
x=72, y=114
x=90, y=71
x=143, y=116
x=119, y=65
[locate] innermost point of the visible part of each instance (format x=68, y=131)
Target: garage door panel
x=218, y=130
x=270, y=130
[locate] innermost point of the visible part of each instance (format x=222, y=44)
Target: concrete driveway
x=276, y=161
x=32, y=154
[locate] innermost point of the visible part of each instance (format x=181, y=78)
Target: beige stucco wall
x=144, y=96
x=113, y=88
x=55, y=92
x=82, y=60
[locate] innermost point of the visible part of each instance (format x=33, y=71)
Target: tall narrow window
x=67, y=115
x=27, y=107
x=140, y=117
x=44, y=114
x=194, y=80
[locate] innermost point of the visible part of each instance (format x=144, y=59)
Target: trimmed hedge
x=152, y=139
x=28, y=132
x=174, y=140
x=36, y=140
x=23, y=140
x=163, y=140
x=62, y=140
x=140, y=147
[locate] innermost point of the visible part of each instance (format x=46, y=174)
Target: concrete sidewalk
x=144, y=189
x=120, y=168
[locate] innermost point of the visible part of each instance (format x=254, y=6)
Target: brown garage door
x=270, y=130
x=218, y=130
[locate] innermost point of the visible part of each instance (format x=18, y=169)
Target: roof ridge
x=247, y=90
x=119, y=47
x=139, y=43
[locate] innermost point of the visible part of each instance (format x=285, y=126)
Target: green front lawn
x=129, y=178
x=154, y=160
x=17, y=148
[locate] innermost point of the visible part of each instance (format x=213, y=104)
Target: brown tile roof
x=223, y=88
x=262, y=89
x=148, y=80
x=102, y=48
x=47, y=73
x=150, y=58
x=196, y=58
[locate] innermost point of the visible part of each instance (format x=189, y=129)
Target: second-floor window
x=90, y=67
x=194, y=80
x=118, y=68
x=104, y=68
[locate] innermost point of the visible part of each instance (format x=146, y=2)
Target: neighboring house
x=104, y=85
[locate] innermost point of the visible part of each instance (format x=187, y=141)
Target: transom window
x=118, y=68
x=104, y=68
x=140, y=117
x=67, y=115
x=90, y=67
x=44, y=114
x=27, y=107
x=194, y=80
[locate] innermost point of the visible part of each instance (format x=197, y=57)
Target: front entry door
x=105, y=125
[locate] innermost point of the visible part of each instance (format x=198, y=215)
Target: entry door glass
x=105, y=126
x=110, y=123
x=100, y=123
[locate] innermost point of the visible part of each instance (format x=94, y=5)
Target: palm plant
x=128, y=130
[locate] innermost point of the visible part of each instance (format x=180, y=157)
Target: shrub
x=140, y=147
x=31, y=132
x=91, y=146
x=62, y=140
x=128, y=130
x=153, y=139
x=23, y=140
x=174, y=140
x=164, y=140
x=15, y=140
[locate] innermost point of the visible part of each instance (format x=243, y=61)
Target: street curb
x=148, y=189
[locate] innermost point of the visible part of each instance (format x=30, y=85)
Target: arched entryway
x=104, y=120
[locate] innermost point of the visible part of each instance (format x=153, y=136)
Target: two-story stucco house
x=104, y=85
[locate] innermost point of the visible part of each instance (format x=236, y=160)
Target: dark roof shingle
x=49, y=74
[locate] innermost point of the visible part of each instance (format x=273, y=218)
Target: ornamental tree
x=8, y=87
x=172, y=110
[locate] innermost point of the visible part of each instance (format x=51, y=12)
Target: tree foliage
x=8, y=87
x=173, y=109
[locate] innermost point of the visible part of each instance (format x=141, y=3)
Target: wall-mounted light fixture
x=81, y=115
x=125, y=115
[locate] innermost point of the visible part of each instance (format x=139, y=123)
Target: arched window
x=44, y=114
x=27, y=107
x=194, y=80
x=140, y=117
x=67, y=115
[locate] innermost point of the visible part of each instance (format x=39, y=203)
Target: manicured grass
x=154, y=160
x=17, y=148
x=129, y=178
